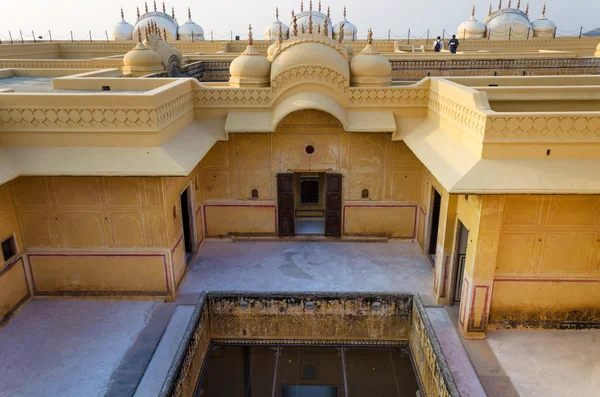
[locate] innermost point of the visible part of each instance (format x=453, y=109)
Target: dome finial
x=518, y=4
x=279, y=34
x=490, y=10
x=310, y=6
x=370, y=36
x=509, y=3
x=173, y=11
x=139, y=35
x=310, y=24
x=344, y=13
x=544, y=11
x=500, y=5
x=165, y=33
x=328, y=12
x=146, y=4
x=154, y=5
x=277, y=13
x=341, y=33
x=319, y=5
x=138, y=12
x=164, y=8
x=301, y=5
x=250, y=39
x=294, y=24
x=189, y=13
x=473, y=11
x=527, y=10
x=325, y=29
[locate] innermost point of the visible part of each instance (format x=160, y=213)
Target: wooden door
x=333, y=205
x=285, y=204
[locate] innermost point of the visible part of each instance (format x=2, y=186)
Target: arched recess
x=309, y=101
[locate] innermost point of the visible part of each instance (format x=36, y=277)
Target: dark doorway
x=309, y=192
x=461, y=256
x=333, y=205
x=186, y=218
x=434, y=224
x=285, y=204
x=309, y=391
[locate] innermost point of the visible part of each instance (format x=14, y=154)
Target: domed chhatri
x=271, y=31
x=350, y=31
x=509, y=23
x=471, y=28
x=311, y=49
x=162, y=20
x=141, y=60
x=250, y=69
x=369, y=68
x=543, y=27
x=273, y=48
x=123, y=31
x=317, y=17
x=190, y=31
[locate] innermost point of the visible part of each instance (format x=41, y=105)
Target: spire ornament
x=146, y=4
x=164, y=8
x=473, y=12
x=301, y=6
x=500, y=5
x=341, y=34
x=328, y=12
x=518, y=4
x=319, y=5
x=154, y=5
x=509, y=3
x=490, y=10
x=527, y=10
x=277, y=13
x=294, y=25
x=173, y=12
x=139, y=35
x=544, y=11
x=310, y=23
x=138, y=12
x=122, y=15
x=370, y=36
x=279, y=35
x=165, y=33
x=325, y=29
x=250, y=38
x=189, y=13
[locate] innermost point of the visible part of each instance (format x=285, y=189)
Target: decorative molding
x=307, y=73
x=175, y=108
x=312, y=38
x=471, y=120
x=395, y=96
x=226, y=97
x=543, y=128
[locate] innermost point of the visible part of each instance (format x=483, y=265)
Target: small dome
x=141, y=61
x=509, y=23
x=162, y=20
x=350, y=31
x=369, y=68
x=272, y=49
x=471, y=28
x=543, y=27
x=250, y=69
x=272, y=29
x=123, y=30
x=190, y=31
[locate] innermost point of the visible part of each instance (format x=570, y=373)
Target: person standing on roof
x=453, y=44
x=438, y=45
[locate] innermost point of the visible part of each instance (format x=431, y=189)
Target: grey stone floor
x=310, y=266
x=552, y=363
x=67, y=347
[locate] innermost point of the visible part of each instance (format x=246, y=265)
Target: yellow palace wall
x=94, y=235
x=389, y=170
x=531, y=260
x=14, y=290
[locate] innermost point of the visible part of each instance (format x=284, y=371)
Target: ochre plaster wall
x=94, y=235
x=547, y=270
x=14, y=289
x=232, y=169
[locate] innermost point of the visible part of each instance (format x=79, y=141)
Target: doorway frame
x=428, y=227
x=453, y=265
x=192, y=222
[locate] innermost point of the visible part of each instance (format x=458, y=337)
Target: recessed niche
x=9, y=248
x=365, y=193
x=254, y=193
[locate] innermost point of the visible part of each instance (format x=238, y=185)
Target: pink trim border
x=238, y=205
x=546, y=280
x=414, y=236
x=463, y=302
x=83, y=254
x=483, y=313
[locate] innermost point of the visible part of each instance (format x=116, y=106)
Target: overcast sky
x=223, y=16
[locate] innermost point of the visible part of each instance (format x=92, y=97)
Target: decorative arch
x=309, y=101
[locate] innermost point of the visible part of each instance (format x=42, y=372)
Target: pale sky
x=223, y=16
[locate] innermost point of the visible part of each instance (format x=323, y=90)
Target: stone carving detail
x=310, y=117
x=389, y=96
x=471, y=120
x=551, y=128
x=298, y=74
x=243, y=96
x=175, y=108
x=295, y=40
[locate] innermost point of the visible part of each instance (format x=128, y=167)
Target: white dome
x=509, y=23
x=272, y=30
x=543, y=27
x=350, y=31
x=189, y=29
x=317, y=21
x=163, y=20
x=471, y=29
x=122, y=31
x=370, y=68
x=250, y=69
